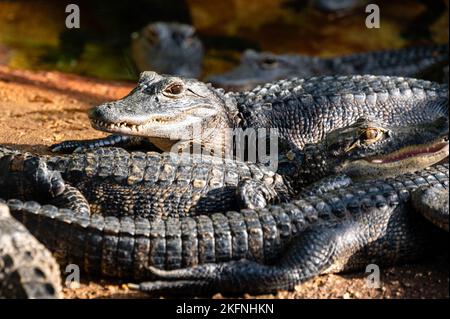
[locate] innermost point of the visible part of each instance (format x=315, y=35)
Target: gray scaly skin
x=165, y=110
x=252, y=251
x=152, y=185
x=433, y=204
x=27, y=268
x=124, y=246
x=111, y=181
x=257, y=68
x=342, y=230
x=169, y=48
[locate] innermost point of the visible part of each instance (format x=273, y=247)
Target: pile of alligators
x=361, y=178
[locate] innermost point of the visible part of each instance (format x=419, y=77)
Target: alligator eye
x=372, y=134
x=268, y=63
x=366, y=137
x=174, y=89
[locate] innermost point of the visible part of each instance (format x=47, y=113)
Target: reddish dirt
x=38, y=109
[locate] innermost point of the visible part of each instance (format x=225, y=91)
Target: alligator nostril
x=95, y=112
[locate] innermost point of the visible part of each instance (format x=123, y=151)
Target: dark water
x=33, y=33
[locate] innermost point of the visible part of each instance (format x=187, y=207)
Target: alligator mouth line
x=128, y=126
x=411, y=152
x=156, y=120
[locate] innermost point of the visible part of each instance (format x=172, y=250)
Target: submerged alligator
x=257, y=68
x=170, y=48
x=174, y=48
x=164, y=110
x=131, y=245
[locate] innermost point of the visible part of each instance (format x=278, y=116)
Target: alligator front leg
x=51, y=186
x=71, y=198
x=45, y=181
x=111, y=140
x=255, y=194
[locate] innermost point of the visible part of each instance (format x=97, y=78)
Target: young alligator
x=169, y=48
x=165, y=109
x=343, y=230
x=253, y=251
x=117, y=183
x=257, y=68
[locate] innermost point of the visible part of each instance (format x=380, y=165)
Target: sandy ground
x=38, y=109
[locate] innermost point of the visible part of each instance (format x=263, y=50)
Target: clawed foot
x=71, y=198
x=79, y=146
x=255, y=194
x=47, y=182
x=69, y=147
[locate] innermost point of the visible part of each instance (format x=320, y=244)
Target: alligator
x=130, y=246
x=166, y=111
x=171, y=48
x=174, y=48
x=255, y=251
x=27, y=269
x=344, y=230
x=257, y=68
x=152, y=185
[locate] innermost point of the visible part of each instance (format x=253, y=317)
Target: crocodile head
x=170, y=48
x=165, y=109
x=258, y=68
x=368, y=149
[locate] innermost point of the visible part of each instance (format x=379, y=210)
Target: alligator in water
x=174, y=48
x=170, y=48
x=259, y=68
x=164, y=110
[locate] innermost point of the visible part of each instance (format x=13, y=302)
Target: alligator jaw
x=159, y=125
x=425, y=152
x=407, y=159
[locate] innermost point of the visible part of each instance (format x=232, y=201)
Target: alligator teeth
x=111, y=126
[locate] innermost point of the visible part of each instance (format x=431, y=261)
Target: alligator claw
x=46, y=181
x=82, y=145
x=66, y=146
x=255, y=194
